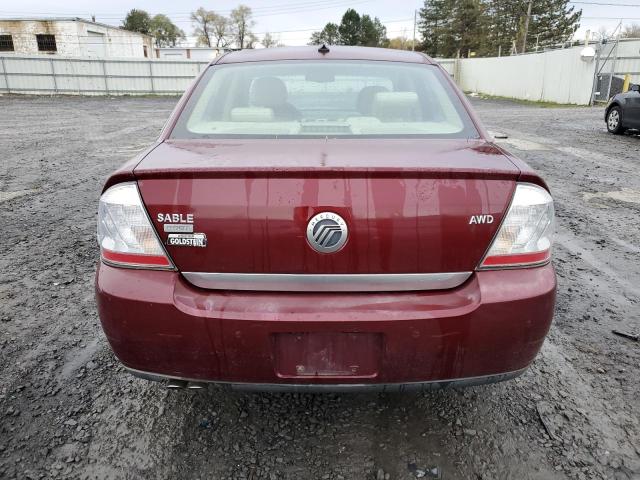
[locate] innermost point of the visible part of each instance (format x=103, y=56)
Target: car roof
x=311, y=53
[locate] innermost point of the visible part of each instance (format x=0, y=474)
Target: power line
x=309, y=5
x=606, y=4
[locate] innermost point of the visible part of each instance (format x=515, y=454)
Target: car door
x=631, y=114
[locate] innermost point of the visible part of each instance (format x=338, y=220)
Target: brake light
x=525, y=236
x=125, y=233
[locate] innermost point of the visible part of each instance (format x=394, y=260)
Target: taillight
x=525, y=236
x=125, y=234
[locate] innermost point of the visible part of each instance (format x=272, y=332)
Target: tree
x=204, y=21
x=250, y=41
x=631, y=31
x=552, y=22
x=400, y=43
x=503, y=24
x=137, y=21
x=242, y=25
x=467, y=29
x=329, y=35
x=164, y=31
x=268, y=41
x=434, y=26
x=221, y=30
x=349, y=28
x=372, y=32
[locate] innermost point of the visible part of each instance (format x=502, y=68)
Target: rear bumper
x=489, y=329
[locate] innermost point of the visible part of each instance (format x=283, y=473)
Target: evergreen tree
x=435, y=26
x=372, y=32
x=349, y=28
x=489, y=26
x=329, y=35
x=504, y=20
x=552, y=22
x=468, y=30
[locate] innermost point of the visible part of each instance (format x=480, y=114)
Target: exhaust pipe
x=176, y=384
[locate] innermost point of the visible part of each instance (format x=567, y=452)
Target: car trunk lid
x=411, y=206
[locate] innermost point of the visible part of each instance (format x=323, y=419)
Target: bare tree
x=268, y=41
x=204, y=21
x=250, y=41
x=602, y=33
x=221, y=31
x=242, y=25
x=631, y=31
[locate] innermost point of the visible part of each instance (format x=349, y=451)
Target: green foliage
x=400, y=43
x=137, y=21
x=354, y=29
x=372, y=32
x=435, y=26
x=349, y=28
x=329, y=35
x=165, y=31
x=484, y=27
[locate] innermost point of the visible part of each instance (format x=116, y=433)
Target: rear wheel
x=614, y=121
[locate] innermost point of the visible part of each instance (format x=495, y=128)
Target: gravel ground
x=68, y=410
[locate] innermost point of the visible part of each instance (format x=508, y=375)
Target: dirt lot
x=67, y=410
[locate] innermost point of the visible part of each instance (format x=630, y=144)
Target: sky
x=293, y=21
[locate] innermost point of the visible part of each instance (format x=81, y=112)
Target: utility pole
x=526, y=27
x=415, y=18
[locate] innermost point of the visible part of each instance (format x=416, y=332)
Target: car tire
x=614, y=121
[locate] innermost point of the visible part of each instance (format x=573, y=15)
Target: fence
x=64, y=75
x=559, y=76
x=614, y=61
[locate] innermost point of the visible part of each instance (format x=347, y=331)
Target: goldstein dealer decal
x=187, y=240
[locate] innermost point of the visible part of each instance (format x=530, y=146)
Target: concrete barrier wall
x=559, y=76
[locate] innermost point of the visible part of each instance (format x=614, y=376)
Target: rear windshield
x=324, y=99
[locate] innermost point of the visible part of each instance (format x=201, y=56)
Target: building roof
x=335, y=53
x=69, y=19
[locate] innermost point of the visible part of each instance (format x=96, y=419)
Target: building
x=71, y=37
x=190, y=53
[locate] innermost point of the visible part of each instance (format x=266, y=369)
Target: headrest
x=268, y=92
x=365, y=98
x=251, y=114
x=396, y=106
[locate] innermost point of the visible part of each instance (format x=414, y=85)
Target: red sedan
x=325, y=219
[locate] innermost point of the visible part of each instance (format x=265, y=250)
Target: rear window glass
x=323, y=99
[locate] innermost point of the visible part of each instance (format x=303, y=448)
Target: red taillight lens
x=525, y=236
x=125, y=233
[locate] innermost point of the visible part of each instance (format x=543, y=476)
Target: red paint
x=407, y=203
x=253, y=199
x=155, y=321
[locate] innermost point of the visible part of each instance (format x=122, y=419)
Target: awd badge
x=187, y=240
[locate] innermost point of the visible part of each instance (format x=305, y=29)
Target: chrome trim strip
x=341, y=387
x=277, y=282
